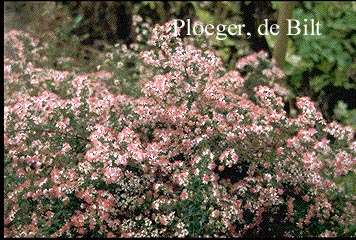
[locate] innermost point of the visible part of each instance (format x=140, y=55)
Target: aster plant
x=201, y=152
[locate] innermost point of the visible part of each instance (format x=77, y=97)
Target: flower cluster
x=202, y=152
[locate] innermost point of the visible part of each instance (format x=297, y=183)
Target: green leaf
x=324, y=66
x=271, y=40
x=319, y=82
x=78, y=19
x=204, y=16
x=294, y=60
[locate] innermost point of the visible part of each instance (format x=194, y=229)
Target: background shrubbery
x=324, y=66
x=165, y=138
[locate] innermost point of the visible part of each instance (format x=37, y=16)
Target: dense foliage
x=324, y=66
x=199, y=151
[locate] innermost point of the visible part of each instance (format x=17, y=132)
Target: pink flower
x=206, y=179
x=163, y=221
x=184, y=195
x=215, y=213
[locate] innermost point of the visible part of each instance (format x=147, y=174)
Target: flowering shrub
x=201, y=152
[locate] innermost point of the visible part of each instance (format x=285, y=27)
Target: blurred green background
x=322, y=67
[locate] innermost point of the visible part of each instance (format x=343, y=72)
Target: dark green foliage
x=320, y=65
